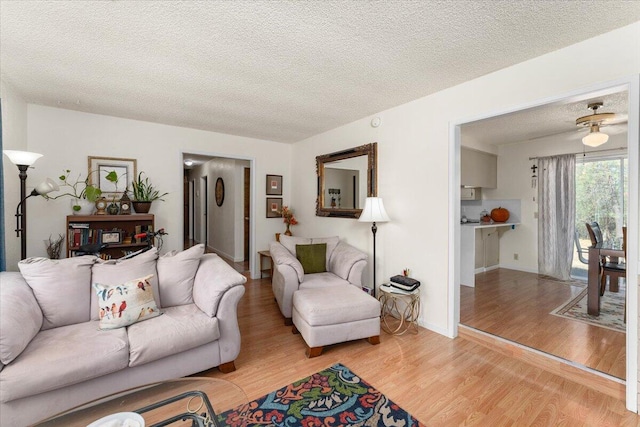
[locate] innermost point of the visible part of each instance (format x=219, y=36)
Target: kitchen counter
x=487, y=225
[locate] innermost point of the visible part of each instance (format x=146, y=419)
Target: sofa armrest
x=213, y=279
x=344, y=258
x=281, y=256
x=227, y=316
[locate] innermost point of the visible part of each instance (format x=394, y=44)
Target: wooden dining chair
x=608, y=266
x=616, y=270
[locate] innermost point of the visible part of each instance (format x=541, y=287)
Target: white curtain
x=556, y=215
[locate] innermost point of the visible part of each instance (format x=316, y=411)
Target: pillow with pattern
x=125, y=304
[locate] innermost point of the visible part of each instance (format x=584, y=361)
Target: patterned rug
x=332, y=397
x=611, y=310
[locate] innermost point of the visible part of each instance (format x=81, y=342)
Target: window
x=602, y=189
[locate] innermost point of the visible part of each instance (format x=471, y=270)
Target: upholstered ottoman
x=335, y=314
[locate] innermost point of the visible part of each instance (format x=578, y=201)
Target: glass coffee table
x=165, y=403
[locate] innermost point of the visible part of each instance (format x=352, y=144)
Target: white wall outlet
x=535, y=215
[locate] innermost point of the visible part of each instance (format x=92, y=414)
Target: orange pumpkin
x=499, y=214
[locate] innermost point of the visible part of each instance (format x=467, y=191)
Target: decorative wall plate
x=219, y=191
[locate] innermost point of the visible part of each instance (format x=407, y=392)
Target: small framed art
x=274, y=207
x=274, y=185
x=112, y=236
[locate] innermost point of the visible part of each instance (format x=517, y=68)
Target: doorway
x=224, y=220
x=631, y=87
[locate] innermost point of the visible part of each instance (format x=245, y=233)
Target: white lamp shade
x=594, y=139
x=47, y=187
x=26, y=158
x=373, y=211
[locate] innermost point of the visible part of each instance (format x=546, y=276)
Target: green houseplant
x=144, y=193
x=84, y=195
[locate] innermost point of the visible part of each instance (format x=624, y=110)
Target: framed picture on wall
x=274, y=207
x=274, y=185
x=100, y=167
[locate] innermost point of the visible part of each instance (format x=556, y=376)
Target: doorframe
x=252, y=221
x=632, y=85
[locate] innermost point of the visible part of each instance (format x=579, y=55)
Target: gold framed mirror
x=345, y=179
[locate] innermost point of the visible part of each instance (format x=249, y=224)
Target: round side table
x=400, y=310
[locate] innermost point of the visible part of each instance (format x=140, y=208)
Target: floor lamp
x=374, y=212
x=24, y=159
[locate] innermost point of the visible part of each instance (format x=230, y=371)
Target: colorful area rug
x=611, y=310
x=332, y=397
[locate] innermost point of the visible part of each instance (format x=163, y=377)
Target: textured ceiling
x=278, y=70
x=553, y=119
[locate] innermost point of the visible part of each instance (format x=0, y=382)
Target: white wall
x=14, y=137
x=514, y=182
x=413, y=159
x=67, y=137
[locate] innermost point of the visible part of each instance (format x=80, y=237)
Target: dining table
x=596, y=252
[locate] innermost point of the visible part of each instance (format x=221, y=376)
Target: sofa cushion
x=62, y=288
x=125, y=304
x=176, y=271
x=312, y=257
x=20, y=316
x=335, y=305
x=115, y=272
x=290, y=242
x=322, y=280
x=62, y=356
x=344, y=258
x=179, y=329
x=331, y=242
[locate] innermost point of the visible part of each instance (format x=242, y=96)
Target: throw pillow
x=312, y=257
x=176, y=271
x=290, y=242
x=126, y=303
x=112, y=272
x=62, y=288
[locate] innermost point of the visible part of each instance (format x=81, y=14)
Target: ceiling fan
x=595, y=121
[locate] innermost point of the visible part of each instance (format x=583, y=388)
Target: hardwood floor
x=443, y=382
x=515, y=305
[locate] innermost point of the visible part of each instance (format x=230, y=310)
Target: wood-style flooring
x=441, y=381
x=515, y=305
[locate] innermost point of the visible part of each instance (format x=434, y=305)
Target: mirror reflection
x=345, y=179
x=345, y=183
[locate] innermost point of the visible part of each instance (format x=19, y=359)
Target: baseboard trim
x=603, y=383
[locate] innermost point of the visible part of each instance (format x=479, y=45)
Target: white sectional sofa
x=54, y=356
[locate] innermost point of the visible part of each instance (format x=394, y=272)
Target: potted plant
x=144, y=193
x=83, y=194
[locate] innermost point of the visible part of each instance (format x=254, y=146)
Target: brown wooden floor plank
x=516, y=306
x=440, y=381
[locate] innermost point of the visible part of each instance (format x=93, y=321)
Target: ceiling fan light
x=595, y=139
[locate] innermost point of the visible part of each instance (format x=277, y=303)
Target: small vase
x=82, y=207
x=288, y=232
x=141, y=207
x=113, y=209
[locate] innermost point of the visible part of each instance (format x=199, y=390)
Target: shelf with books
x=116, y=230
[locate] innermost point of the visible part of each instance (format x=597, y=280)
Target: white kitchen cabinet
x=470, y=194
x=478, y=169
x=479, y=249
x=491, y=246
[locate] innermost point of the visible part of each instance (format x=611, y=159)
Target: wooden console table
x=267, y=255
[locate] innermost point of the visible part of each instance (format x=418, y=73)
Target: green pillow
x=312, y=257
